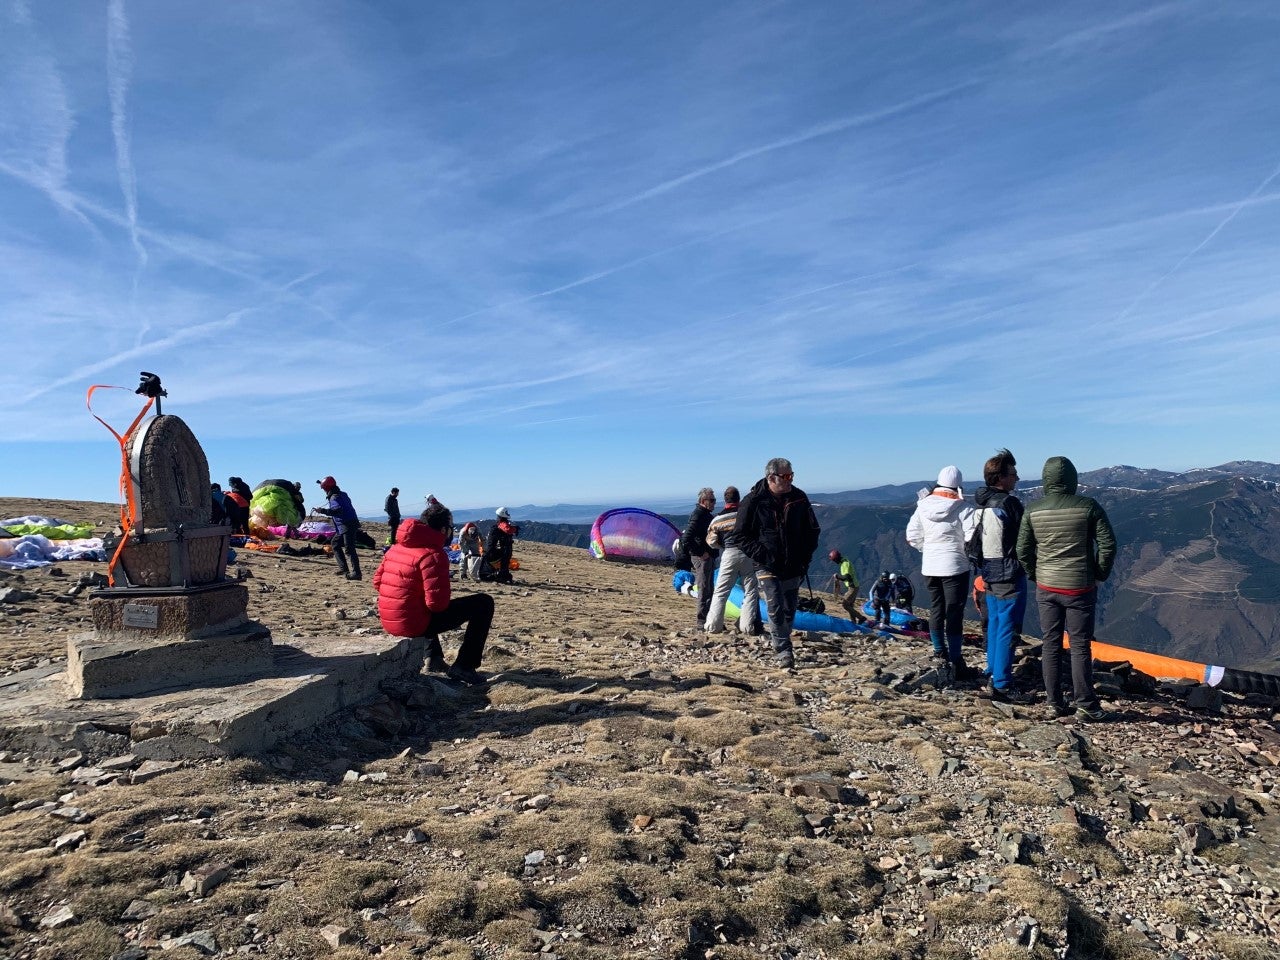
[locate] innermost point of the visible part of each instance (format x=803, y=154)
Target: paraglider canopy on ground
x=633, y=534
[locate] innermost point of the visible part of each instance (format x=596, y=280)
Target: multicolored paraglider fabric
x=274, y=504
x=630, y=533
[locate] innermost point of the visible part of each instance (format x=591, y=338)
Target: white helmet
x=503, y=513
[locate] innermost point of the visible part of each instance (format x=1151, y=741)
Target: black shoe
x=471, y=677
x=1007, y=695
x=1056, y=710
x=963, y=672
x=437, y=664
x=1094, y=714
x=354, y=576
x=341, y=573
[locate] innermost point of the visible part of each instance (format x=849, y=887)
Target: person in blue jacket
x=339, y=508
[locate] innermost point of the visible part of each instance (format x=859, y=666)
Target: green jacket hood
x=1060, y=477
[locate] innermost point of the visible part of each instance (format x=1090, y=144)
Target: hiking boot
x=341, y=573
x=785, y=660
x=437, y=664
x=1007, y=695
x=1056, y=710
x=1093, y=714
x=354, y=576
x=473, y=678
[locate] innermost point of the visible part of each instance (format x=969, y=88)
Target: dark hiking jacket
x=779, y=534
x=1065, y=541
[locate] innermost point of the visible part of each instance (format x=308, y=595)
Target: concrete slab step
x=309, y=681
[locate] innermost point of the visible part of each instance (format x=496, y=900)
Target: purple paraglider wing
x=634, y=534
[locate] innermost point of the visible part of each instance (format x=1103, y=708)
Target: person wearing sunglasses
x=777, y=528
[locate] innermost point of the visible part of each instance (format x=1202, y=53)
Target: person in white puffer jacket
x=943, y=521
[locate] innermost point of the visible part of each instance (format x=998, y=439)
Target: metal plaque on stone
x=142, y=615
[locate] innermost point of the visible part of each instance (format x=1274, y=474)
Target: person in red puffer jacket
x=415, y=597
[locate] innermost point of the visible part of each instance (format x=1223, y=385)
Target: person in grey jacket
x=1067, y=546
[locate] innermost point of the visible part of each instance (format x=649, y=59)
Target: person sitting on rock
x=415, y=596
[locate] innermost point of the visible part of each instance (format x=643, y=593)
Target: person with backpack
x=346, y=525
x=235, y=502
x=1067, y=546
x=904, y=594
x=994, y=553
x=881, y=597
x=939, y=529
x=847, y=577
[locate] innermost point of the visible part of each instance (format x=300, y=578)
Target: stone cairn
x=172, y=619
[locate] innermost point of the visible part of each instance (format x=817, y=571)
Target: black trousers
x=395, y=522
x=1075, y=615
x=704, y=569
x=476, y=611
x=346, y=543
x=947, y=597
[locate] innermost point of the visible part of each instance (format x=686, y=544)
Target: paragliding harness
x=810, y=604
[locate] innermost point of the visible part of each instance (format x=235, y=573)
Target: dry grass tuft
x=716, y=729
x=949, y=850
x=448, y=904
x=22, y=872
x=92, y=940
x=783, y=754
x=964, y=909
x=1150, y=842
x=1186, y=913
x=779, y=900
x=1079, y=844
x=1242, y=947
x=1024, y=888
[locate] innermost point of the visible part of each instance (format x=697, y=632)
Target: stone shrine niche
x=172, y=543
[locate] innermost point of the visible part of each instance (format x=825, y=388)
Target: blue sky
x=609, y=252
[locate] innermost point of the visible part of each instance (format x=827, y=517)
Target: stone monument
x=172, y=618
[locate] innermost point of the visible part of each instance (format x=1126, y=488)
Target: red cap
x=327, y=484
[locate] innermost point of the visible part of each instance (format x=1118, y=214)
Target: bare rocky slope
x=627, y=787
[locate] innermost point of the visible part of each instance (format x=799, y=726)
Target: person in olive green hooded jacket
x=1066, y=545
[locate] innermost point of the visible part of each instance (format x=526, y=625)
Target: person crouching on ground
x=500, y=545
x=415, y=597
x=881, y=597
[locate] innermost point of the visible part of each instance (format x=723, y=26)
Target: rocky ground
x=626, y=786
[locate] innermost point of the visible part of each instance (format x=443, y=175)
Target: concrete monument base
x=143, y=613
x=308, y=681
x=99, y=669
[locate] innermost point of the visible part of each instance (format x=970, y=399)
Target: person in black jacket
x=777, y=528
x=392, y=508
x=498, y=547
x=693, y=541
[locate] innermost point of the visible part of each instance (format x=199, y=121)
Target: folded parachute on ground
x=630, y=533
x=49, y=527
